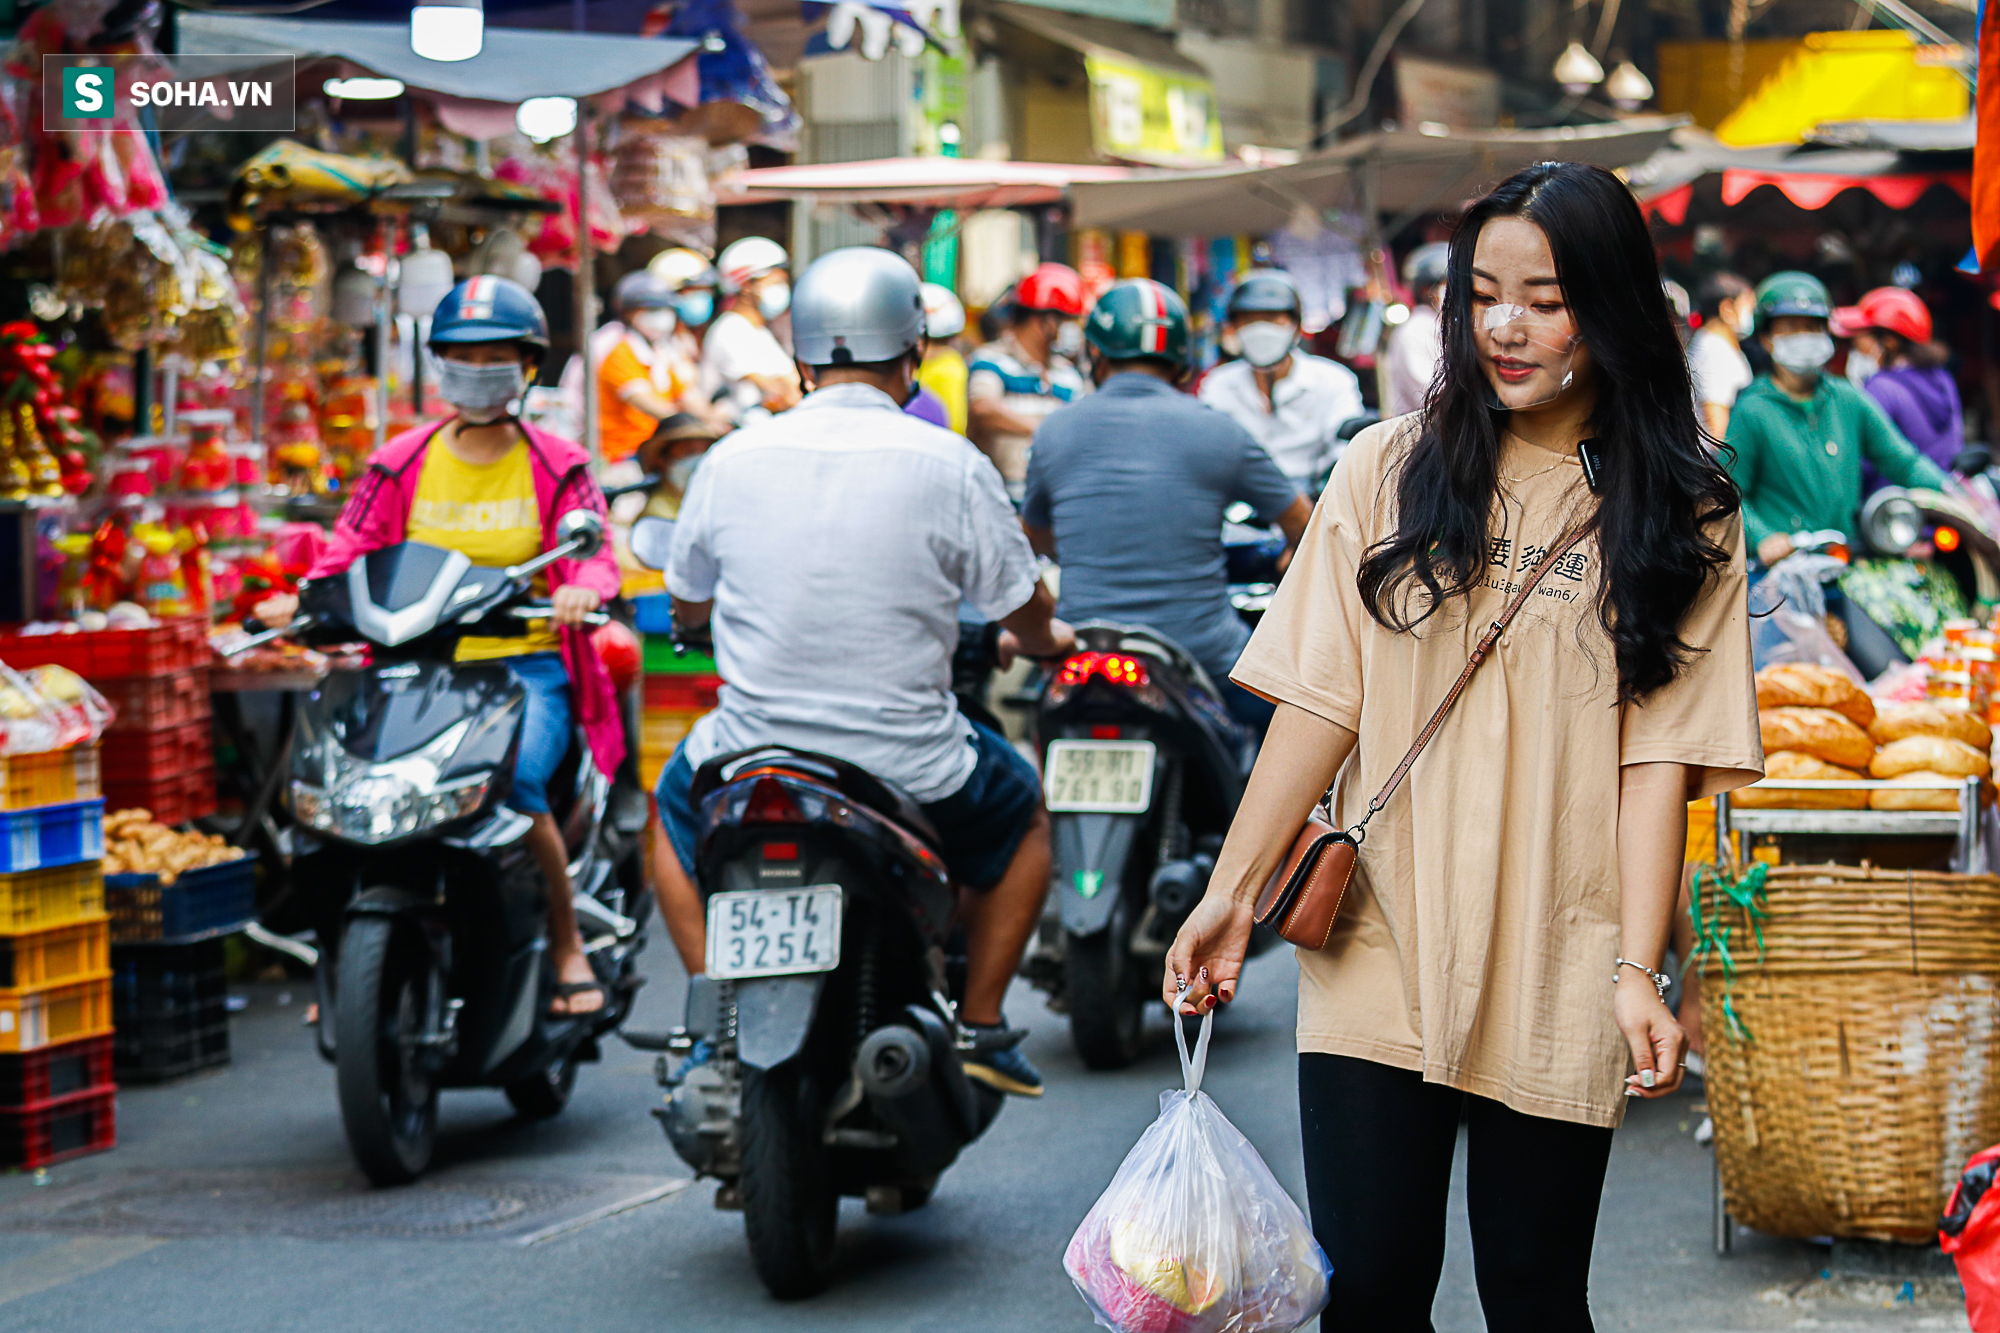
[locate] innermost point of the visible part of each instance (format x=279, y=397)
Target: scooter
x=1143, y=770
x=820, y=1053
x=407, y=857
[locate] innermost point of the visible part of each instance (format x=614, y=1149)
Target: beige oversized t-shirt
x=1479, y=939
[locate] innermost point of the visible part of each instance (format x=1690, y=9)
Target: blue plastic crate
x=653, y=614
x=51, y=835
x=214, y=900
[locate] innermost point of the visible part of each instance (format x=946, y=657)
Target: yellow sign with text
x=1144, y=114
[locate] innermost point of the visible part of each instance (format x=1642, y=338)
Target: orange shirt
x=621, y=427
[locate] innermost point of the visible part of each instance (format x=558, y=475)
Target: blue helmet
x=488, y=309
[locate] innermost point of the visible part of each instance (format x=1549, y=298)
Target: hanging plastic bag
x=1970, y=1233
x=1194, y=1235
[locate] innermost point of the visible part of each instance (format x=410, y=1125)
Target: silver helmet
x=859, y=304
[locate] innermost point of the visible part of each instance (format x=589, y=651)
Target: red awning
x=1812, y=190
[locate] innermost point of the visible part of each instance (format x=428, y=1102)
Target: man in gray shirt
x=1126, y=490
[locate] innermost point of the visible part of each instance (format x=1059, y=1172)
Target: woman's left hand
x=1659, y=1046
x=571, y=604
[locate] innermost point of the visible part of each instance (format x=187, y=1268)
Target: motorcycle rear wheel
x=543, y=1094
x=1107, y=1010
x=388, y=1101
x=790, y=1208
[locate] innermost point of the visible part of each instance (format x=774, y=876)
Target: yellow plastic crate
x=53, y=896
x=52, y=777
x=55, y=956
x=659, y=733
x=49, y=1015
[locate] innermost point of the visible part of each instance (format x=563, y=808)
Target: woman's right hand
x=1207, y=958
x=277, y=609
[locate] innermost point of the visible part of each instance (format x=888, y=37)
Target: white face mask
x=1267, y=342
x=480, y=392
x=680, y=472
x=656, y=325
x=1745, y=322
x=1802, y=353
x=1069, y=339
x=774, y=300
x=1861, y=367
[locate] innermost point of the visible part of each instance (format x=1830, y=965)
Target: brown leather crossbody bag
x=1302, y=900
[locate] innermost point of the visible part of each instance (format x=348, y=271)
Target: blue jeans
x=545, y=734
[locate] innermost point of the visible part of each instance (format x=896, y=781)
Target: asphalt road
x=230, y=1205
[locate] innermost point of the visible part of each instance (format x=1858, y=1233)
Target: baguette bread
x=1895, y=721
x=1919, y=799
x=1798, y=685
x=1817, y=731
x=1930, y=754
x=1797, y=766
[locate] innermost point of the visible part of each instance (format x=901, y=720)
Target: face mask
x=1802, y=353
x=1266, y=343
x=1069, y=340
x=680, y=472
x=1532, y=355
x=1861, y=367
x=1745, y=322
x=695, y=307
x=480, y=393
x=657, y=325
x=774, y=300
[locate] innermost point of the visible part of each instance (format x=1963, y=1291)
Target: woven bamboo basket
x=1869, y=1067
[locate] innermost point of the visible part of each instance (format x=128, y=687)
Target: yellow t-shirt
x=621, y=427
x=944, y=374
x=486, y=510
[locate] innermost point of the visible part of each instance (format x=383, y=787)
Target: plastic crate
x=213, y=900
x=174, y=799
x=58, y=1129
x=653, y=614
x=144, y=703
x=55, y=1071
x=51, y=1015
x=37, y=899
x=169, y=646
x=56, y=955
x=187, y=982
x=51, y=777
x=690, y=693
x=658, y=658
x=153, y=1050
x=51, y=835
x=158, y=752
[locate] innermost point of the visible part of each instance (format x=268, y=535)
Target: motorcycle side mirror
x=1891, y=523
x=652, y=539
x=584, y=528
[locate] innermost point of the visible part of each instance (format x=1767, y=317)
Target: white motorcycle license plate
x=1099, y=777
x=774, y=932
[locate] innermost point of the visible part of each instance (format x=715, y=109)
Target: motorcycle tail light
x=1106, y=733
x=781, y=851
x=1946, y=539
x=1078, y=669
x=770, y=803
x=1114, y=667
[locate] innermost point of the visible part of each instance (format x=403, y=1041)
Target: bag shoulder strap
x=1480, y=652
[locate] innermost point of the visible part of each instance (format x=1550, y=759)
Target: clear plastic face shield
x=1529, y=356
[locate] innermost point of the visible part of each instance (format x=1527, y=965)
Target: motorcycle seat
x=857, y=784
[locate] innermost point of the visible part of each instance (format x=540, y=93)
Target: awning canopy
x=1809, y=178
x=514, y=65
x=1412, y=172
x=935, y=182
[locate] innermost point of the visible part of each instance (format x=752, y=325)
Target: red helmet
x=1896, y=309
x=1053, y=287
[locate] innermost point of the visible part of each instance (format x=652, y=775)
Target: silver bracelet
x=1659, y=979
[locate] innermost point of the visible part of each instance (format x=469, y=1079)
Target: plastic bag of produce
x=1194, y=1235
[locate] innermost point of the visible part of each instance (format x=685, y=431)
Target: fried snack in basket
x=1816, y=731
x=1797, y=684
x=1796, y=766
x=1895, y=721
x=1930, y=754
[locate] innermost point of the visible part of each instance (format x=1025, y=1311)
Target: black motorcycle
x=1143, y=769
x=821, y=1052
x=417, y=877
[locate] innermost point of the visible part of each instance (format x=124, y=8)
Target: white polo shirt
x=838, y=540
x=1312, y=401
x=735, y=349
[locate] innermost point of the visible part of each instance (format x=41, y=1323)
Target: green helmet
x=1136, y=319
x=1792, y=293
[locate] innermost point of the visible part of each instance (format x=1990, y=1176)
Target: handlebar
x=258, y=640
x=645, y=483
x=543, y=611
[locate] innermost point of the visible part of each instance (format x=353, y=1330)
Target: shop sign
x=1144, y=114
x=206, y=92
x=1433, y=92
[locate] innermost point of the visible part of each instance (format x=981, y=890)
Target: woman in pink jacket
x=484, y=483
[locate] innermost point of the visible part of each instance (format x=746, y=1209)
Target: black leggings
x=1378, y=1149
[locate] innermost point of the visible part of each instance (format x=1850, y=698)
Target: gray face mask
x=680, y=472
x=480, y=393
x=1802, y=353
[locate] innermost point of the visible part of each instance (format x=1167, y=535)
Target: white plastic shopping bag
x=1194, y=1235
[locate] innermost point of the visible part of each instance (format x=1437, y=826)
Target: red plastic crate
x=172, y=645
x=145, y=703
x=158, y=752
x=56, y=1130
x=174, y=799
x=681, y=694
x=55, y=1071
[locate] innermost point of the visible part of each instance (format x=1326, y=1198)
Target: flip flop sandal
x=569, y=988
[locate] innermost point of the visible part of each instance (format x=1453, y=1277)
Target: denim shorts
x=545, y=733
x=981, y=824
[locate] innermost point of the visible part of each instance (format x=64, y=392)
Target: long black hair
x=1661, y=490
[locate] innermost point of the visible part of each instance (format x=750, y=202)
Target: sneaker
x=995, y=1059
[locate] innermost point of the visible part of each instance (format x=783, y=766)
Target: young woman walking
x=1498, y=949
